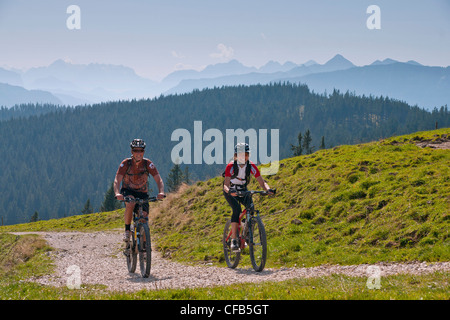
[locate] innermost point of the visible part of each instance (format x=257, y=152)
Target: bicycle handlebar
x=252, y=192
x=138, y=200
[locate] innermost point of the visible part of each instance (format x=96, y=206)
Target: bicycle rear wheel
x=231, y=257
x=145, y=250
x=131, y=255
x=258, y=244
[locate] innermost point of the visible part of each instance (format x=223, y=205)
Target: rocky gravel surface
x=96, y=258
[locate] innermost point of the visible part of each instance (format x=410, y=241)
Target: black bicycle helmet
x=242, y=147
x=137, y=143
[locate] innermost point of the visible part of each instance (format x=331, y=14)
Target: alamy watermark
x=74, y=279
x=73, y=22
x=374, y=20
x=374, y=279
x=190, y=149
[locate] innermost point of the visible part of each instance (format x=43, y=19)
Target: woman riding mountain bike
x=237, y=176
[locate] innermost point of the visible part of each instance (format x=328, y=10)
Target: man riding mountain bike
x=133, y=174
x=237, y=176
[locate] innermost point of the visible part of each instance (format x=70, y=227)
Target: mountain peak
x=61, y=62
x=415, y=63
x=226, y=68
x=274, y=66
x=384, y=62
x=309, y=63
x=339, y=60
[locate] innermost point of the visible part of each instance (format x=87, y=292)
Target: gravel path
x=99, y=260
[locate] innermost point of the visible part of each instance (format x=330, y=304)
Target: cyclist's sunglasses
x=138, y=150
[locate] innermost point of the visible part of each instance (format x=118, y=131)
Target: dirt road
x=98, y=259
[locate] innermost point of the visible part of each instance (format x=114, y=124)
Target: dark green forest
x=56, y=159
x=27, y=110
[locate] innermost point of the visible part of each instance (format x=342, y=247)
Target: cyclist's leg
x=236, y=207
x=128, y=215
x=129, y=207
x=145, y=206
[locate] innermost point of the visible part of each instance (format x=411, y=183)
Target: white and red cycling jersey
x=239, y=178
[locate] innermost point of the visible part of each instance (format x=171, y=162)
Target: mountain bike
x=140, y=243
x=251, y=232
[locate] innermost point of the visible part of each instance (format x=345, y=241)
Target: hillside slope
x=382, y=201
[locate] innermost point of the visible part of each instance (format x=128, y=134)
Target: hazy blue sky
x=158, y=37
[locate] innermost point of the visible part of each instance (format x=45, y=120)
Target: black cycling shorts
x=235, y=204
x=141, y=195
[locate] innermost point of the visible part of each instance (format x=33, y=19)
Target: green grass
x=85, y=223
x=22, y=257
x=382, y=201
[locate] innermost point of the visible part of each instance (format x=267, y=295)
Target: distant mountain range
x=11, y=95
x=256, y=76
x=73, y=84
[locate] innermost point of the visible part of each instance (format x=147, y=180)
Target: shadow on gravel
x=250, y=271
x=137, y=278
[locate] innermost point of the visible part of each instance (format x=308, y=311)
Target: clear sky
x=157, y=37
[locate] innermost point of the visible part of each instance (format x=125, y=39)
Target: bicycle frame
x=252, y=234
x=138, y=218
x=239, y=225
x=141, y=242
x=248, y=212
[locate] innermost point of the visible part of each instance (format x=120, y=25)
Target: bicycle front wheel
x=131, y=254
x=231, y=257
x=145, y=250
x=258, y=244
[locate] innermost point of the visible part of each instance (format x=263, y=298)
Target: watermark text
x=73, y=22
x=190, y=149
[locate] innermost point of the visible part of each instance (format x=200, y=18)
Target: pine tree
x=322, y=144
x=35, y=217
x=175, y=178
x=110, y=203
x=87, y=207
x=307, y=142
x=186, y=176
x=298, y=150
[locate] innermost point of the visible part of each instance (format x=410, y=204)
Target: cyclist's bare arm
x=263, y=183
x=226, y=186
x=117, y=181
x=160, y=184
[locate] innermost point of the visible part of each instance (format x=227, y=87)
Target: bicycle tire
x=257, y=244
x=132, y=255
x=231, y=257
x=145, y=250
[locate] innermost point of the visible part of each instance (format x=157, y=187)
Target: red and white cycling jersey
x=240, y=177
